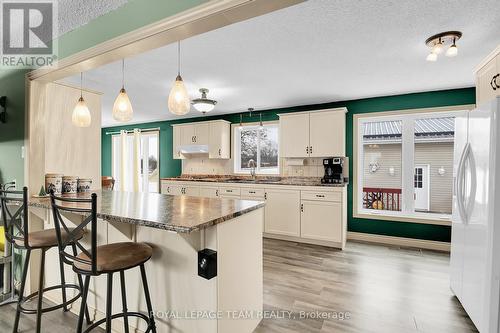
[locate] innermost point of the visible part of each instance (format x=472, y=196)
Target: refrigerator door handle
x=469, y=206
x=460, y=185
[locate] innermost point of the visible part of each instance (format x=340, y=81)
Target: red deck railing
x=382, y=198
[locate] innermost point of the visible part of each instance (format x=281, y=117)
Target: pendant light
x=81, y=114
x=178, y=99
x=122, y=108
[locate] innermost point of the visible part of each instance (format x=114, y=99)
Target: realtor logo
x=28, y=32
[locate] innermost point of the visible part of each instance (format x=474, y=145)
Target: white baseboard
x=399, y=241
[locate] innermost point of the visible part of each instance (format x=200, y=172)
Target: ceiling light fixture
x=438, y=42
x=178, y=99
x=204, y=104
x=81, y=114
x=122, y=108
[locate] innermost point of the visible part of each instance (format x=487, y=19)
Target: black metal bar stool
x=104, y=259
x=14, y=205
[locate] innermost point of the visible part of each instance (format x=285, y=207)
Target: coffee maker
x=336, y=170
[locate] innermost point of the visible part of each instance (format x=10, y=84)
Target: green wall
x=131, y=16
x=12, y=132
x=170, y=167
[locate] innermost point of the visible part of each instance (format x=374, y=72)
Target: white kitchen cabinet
x=282, y=214
x=201, y=133
x=187, y=133
x=220, y=140
x=321, y=220
x=176, y=142
x=313, y=134
x=294, y=135
x=327, y=134
x=488, y=78
x=209, y=192
x=172, y=189
x=215, y=134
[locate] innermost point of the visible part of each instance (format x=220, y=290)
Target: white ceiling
x=318, y=51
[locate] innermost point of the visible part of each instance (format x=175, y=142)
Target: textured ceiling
x=75, y=13
x=317, y=51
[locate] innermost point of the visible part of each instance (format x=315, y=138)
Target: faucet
x=251, y=164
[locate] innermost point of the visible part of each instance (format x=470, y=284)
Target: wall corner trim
x=399, y=241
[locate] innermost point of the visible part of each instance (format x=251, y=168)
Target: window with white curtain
x=135, y=161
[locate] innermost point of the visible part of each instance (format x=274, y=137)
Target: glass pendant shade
x=81, y=114
x=432, y=57
x=122, y=108
x=178, y=99
x=452, y=51
x=438, y=48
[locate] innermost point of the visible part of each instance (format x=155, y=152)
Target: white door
x=458, y=224
x=282, y=212
x=422, y=187
x=294, y=134
x=201, y=134
x=478, y=172
x=321, y=220
x=327, y=134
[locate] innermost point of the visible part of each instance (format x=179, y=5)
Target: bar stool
x=104, y=259
x=17, y=232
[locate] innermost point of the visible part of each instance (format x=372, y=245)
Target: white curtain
x=129, y=162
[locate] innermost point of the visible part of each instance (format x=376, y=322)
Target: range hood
x=193, y=149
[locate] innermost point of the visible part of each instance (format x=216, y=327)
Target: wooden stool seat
x=116, y=257
x=45, y=238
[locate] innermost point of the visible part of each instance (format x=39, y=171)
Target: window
x=148, y=162
x=404, y=164
x=260, y=144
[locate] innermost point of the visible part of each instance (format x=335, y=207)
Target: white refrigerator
x=475, y=236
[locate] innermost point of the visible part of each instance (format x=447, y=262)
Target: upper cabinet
x=488, y=78
x=214, y=134
x=313, y=134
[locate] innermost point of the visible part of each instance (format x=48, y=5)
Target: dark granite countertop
x=259, y=180
x=181, y=214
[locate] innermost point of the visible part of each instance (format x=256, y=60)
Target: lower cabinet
x=321, y=220
x=209, y=192
x=282, y=215
x=302, y=214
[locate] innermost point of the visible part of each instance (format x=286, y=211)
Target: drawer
x=231, y=191
x=253, y=192
x=321, y=196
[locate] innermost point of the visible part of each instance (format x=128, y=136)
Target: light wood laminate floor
x=384, y=289
x=380, y=289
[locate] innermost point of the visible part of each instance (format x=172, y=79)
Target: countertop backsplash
x=202, y=165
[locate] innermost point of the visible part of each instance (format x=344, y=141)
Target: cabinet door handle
x=494, y=80
x=229, y=191
x=216, y=193
x=219, y=152
x=301, y=207
x=307, y=149
x=168, y=189
x=265, y=196
x=310, y=149
x=253, y=192
x=195, y=138
x=320, y=196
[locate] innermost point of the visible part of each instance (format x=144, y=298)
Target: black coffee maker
x=334, y=170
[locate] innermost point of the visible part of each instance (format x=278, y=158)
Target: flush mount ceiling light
x=204, y=104
x=178, y=99
x=81, y=114
x=122, y=108
x=438, y=42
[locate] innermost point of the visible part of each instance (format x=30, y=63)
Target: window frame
x=407, y=117
x=237, y=149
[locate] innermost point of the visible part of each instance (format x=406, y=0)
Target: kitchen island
x=177, y=227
